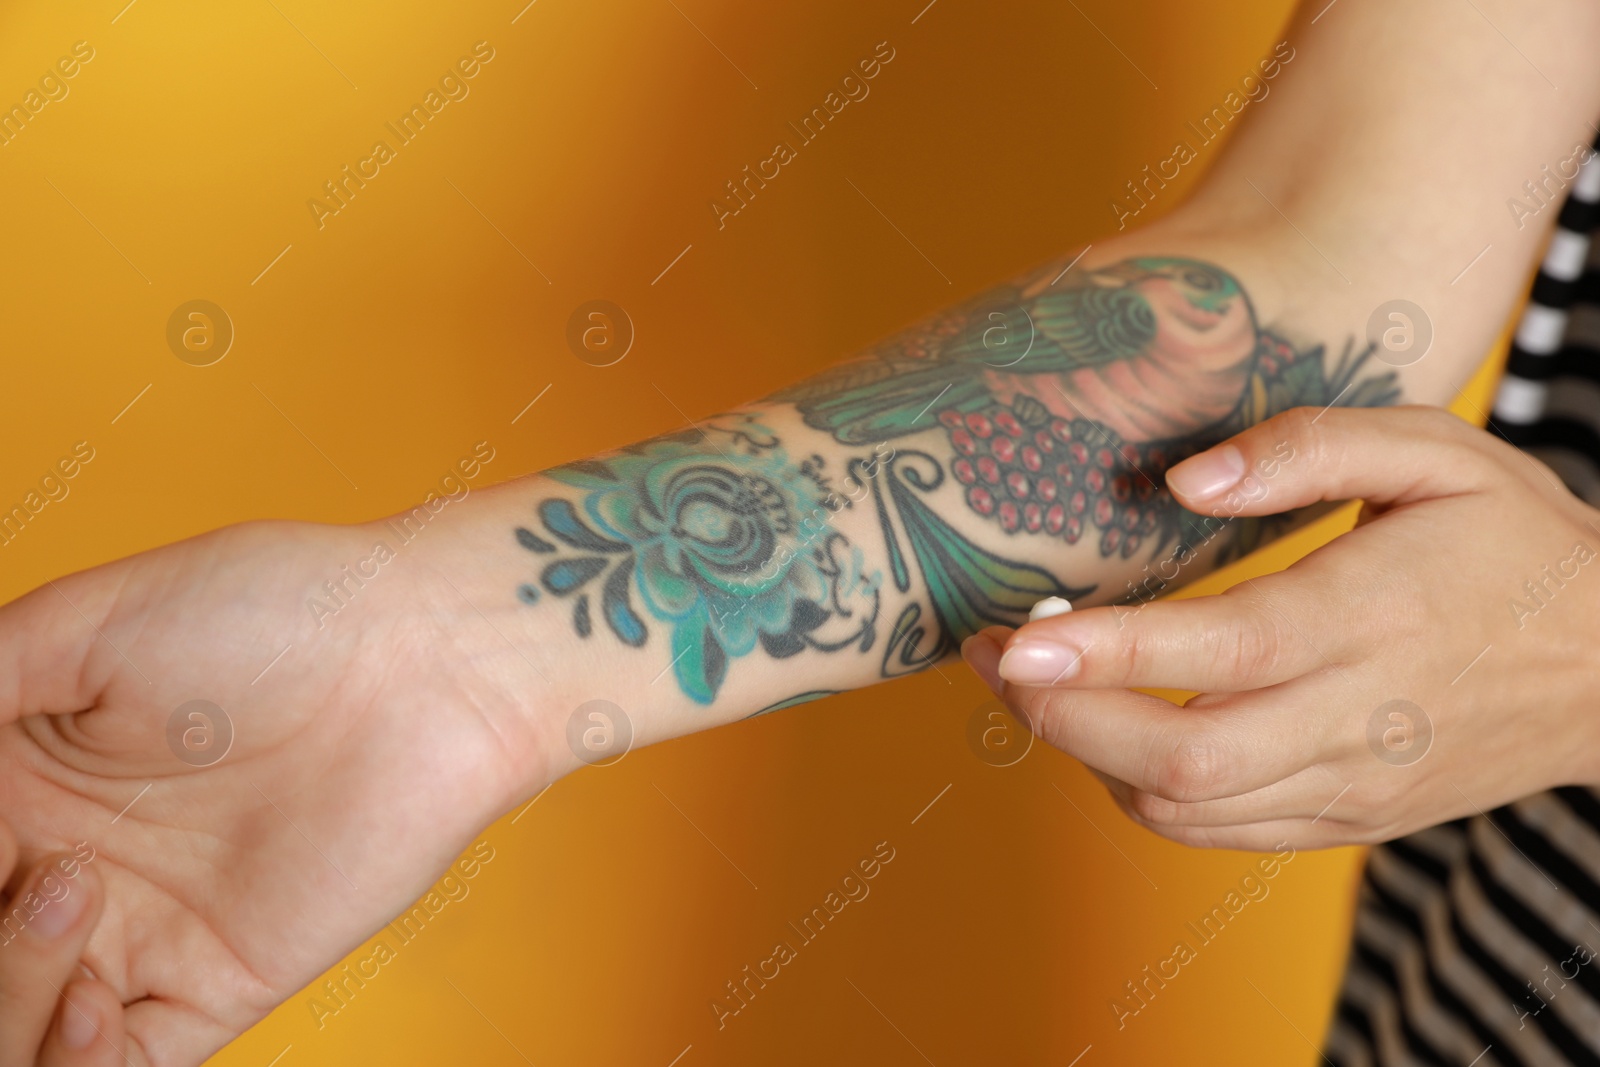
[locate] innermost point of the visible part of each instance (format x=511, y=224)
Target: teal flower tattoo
x=728, y=551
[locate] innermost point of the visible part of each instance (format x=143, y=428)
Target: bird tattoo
x=1066, y=401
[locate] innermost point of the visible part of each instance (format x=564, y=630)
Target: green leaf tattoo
x=968, y=586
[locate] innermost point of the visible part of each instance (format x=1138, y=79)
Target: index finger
x=1245, y=638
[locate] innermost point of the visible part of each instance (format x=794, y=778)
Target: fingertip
x=1031, y=661
x=982, y=653
x=78, y=1019
x=1021, y=644
x=49, y=920
x=88, y=1029
x=998, y=634
x=72, y=898
x=989, y=635
x=1207, y=474
x=1049, y=651
x=1054, y=627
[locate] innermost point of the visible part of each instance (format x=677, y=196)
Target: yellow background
x=431, y=310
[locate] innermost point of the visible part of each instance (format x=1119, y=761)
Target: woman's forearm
x=859, y=525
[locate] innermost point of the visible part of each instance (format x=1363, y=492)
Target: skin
x=216, y=906
x=1290, y=668
x=436, y=700
x=50, y=1003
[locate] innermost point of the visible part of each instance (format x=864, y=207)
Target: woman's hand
x=51, y=1013
x=231, y=873
x=1437, y=661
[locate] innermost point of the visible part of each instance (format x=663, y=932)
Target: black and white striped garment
x=1478, y=942
x=1549, y=399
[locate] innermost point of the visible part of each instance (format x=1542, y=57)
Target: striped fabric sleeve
x=1549, y=400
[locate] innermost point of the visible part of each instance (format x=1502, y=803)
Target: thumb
x=1387, y=456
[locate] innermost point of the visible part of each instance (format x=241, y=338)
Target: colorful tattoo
x=728, y=550
x=968, y=586
x=1064, y=406
x=1059, y=403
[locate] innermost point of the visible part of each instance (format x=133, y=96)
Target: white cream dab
x=1049, y=608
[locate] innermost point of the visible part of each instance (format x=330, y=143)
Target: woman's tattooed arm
x=945, y=481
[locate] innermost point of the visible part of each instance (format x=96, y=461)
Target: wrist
x=446, y=614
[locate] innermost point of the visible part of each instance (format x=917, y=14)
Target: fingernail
x=982, y=654
x=78, y=1024
x=1207, y=474
x=60, y=914
x=1035, y=662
